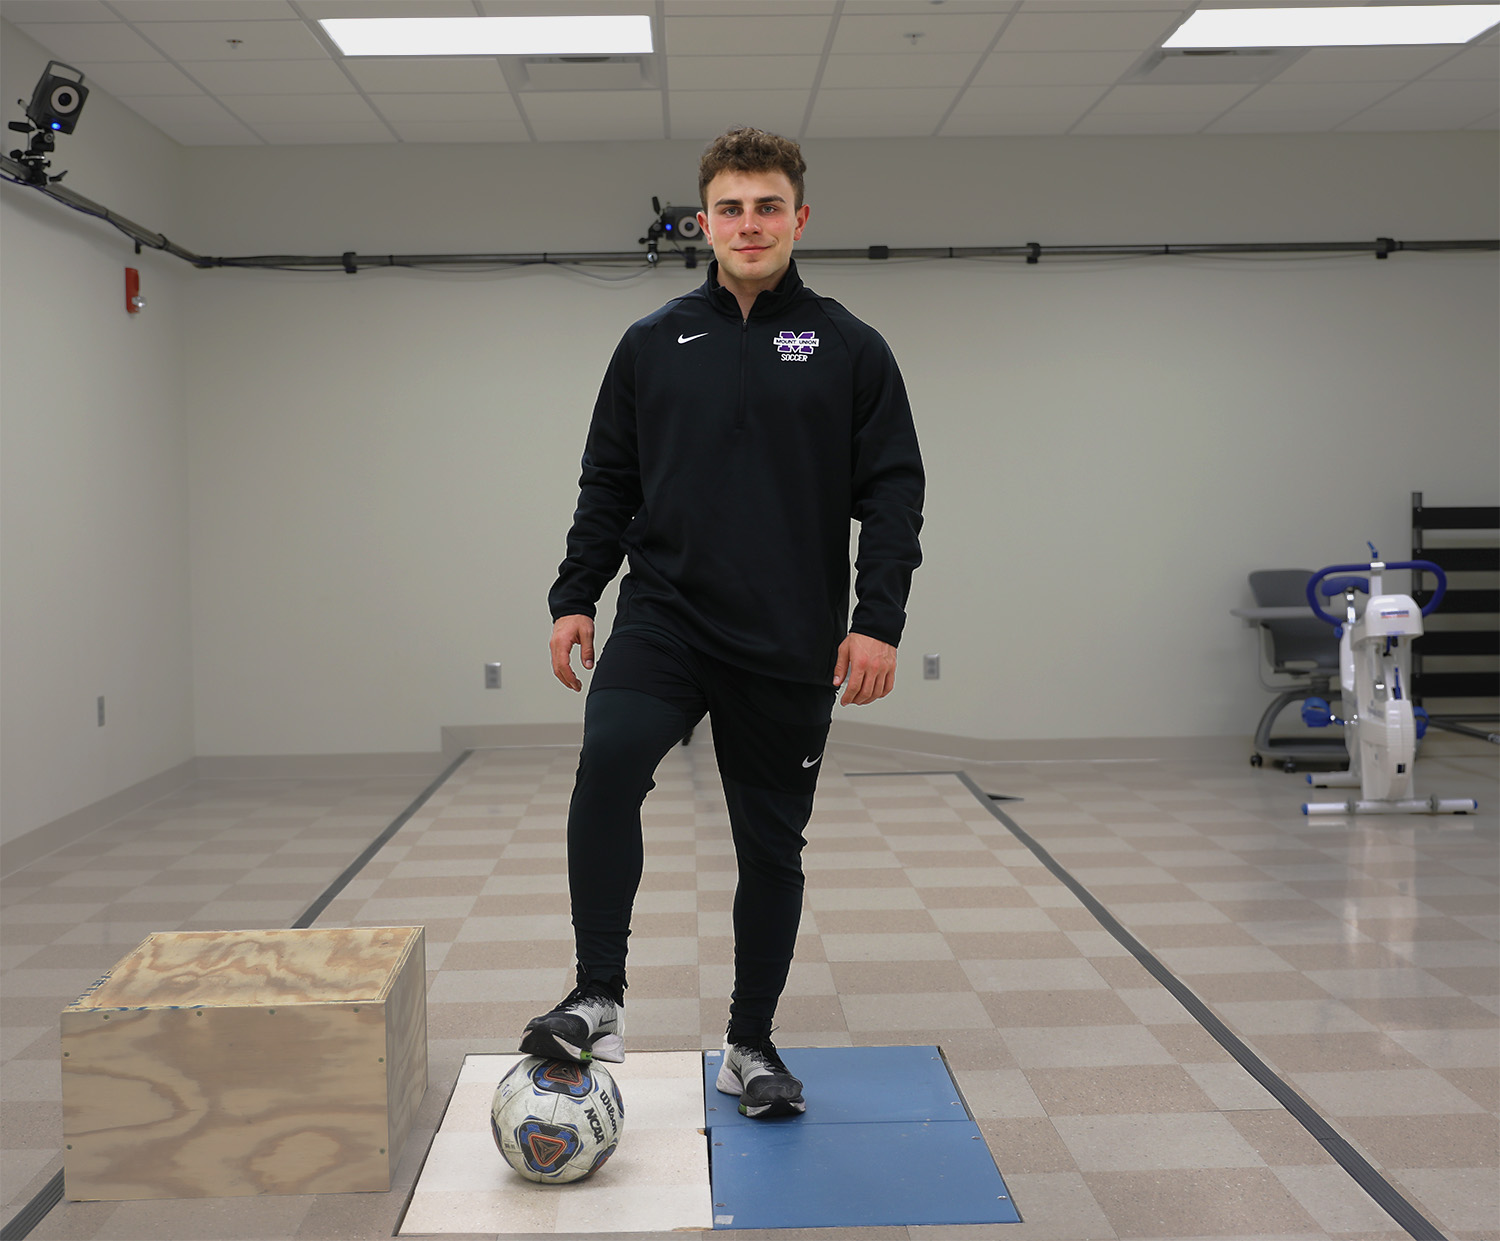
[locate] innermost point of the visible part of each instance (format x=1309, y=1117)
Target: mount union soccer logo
x=796, y=346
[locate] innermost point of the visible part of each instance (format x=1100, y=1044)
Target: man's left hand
x=866, y=669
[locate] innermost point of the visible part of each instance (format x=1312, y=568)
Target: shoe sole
x=549, y=1046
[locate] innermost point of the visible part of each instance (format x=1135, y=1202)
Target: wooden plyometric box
x=220, y=1063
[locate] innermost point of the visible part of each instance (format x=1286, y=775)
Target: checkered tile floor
x=1358, y=961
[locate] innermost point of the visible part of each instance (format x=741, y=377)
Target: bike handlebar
x=1424, y=566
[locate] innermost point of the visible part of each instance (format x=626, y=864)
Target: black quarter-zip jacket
x=725, y=459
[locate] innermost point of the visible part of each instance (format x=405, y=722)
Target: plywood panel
x=200, y=1066
x=256, y=967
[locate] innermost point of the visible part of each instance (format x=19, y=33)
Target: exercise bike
x=1382, y=732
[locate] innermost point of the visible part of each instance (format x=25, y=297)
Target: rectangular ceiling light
x=489, y=36
x=1342, y=27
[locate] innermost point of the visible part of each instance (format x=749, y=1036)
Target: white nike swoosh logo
x=682, y=340
x=812, y=762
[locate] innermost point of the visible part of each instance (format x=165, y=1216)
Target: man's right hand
x=568, y=632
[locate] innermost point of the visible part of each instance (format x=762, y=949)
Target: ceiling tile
x=1144, y=123
x=437, y=108
x=423, y=74
x=22, y=12
x=741, y=72
x=1460, y=95
x=211, y=40
x=749, y=8
x=1480, y=63
x=1117, y=6
x=1054, y=68
x=438, y=132
x=595, y=116
x=928, y=104
x=316, y=10
x=96, y=41
x=204, y=10
x=899, y=71
x=924, y=8
x=1245, y=121
x=1105, y=31
x=979, y=125
x=1406, y=120
x=269, y=77
x=559, y=8
x=745, y=36
x=1363, y=64
x=870, y=127
x=1022, y=100
x=1159, y=100
x=295, y=109
x=149, y=77
x=196, y=121
x=706, y=114
x=934, y=31
x=325, y=133
x=1321, y=97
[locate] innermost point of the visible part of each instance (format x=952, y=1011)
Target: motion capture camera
x=54, y=109
x=57, y=100
x=676, y=225
x=679, y=223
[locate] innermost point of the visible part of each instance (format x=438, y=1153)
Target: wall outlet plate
x=930, y=667
x=492, y=676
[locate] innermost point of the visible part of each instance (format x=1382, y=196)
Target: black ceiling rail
x=1031, y=252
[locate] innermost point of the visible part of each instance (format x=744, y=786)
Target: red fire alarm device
x=133, y=299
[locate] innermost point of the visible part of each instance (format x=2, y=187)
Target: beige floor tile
x=1454, y=1198
x=1084, y=1046
x=1118, y=1089
x=1279, y=1138
x=1138, y=1142
x=1059, y=1008
x=1332, y=1198
x=1022, y=1144
x=1442, y=1141
x=1336, y=1052
x=898, y=977
x=918, y=1011
x=1054, y=1206
x=1218, y=1202
x=1481, y=1085
x=1393, y=1092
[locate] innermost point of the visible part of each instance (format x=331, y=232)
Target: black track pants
x=648, y=689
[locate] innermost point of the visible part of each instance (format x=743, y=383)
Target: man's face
x=752, y=221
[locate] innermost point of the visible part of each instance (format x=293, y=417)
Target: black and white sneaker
x=755, y=1072
x=589, y=1024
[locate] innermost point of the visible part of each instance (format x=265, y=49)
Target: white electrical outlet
x=492, y=676
x=930, y=667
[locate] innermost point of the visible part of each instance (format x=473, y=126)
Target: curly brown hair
x=743, y=149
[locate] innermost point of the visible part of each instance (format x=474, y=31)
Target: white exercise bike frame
x=1374, y=655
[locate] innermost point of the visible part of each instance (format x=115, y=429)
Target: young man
x=738, y=430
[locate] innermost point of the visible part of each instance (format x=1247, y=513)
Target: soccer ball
x=556, y=1121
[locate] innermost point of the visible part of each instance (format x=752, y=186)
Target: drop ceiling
x=258, y=72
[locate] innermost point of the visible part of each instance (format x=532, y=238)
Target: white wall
x=367, y=479
x=384, y=465
x=93, y=472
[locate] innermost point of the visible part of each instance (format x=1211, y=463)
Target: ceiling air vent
x=1213, y=66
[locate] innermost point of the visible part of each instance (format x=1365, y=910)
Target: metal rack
x=1464, y=635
